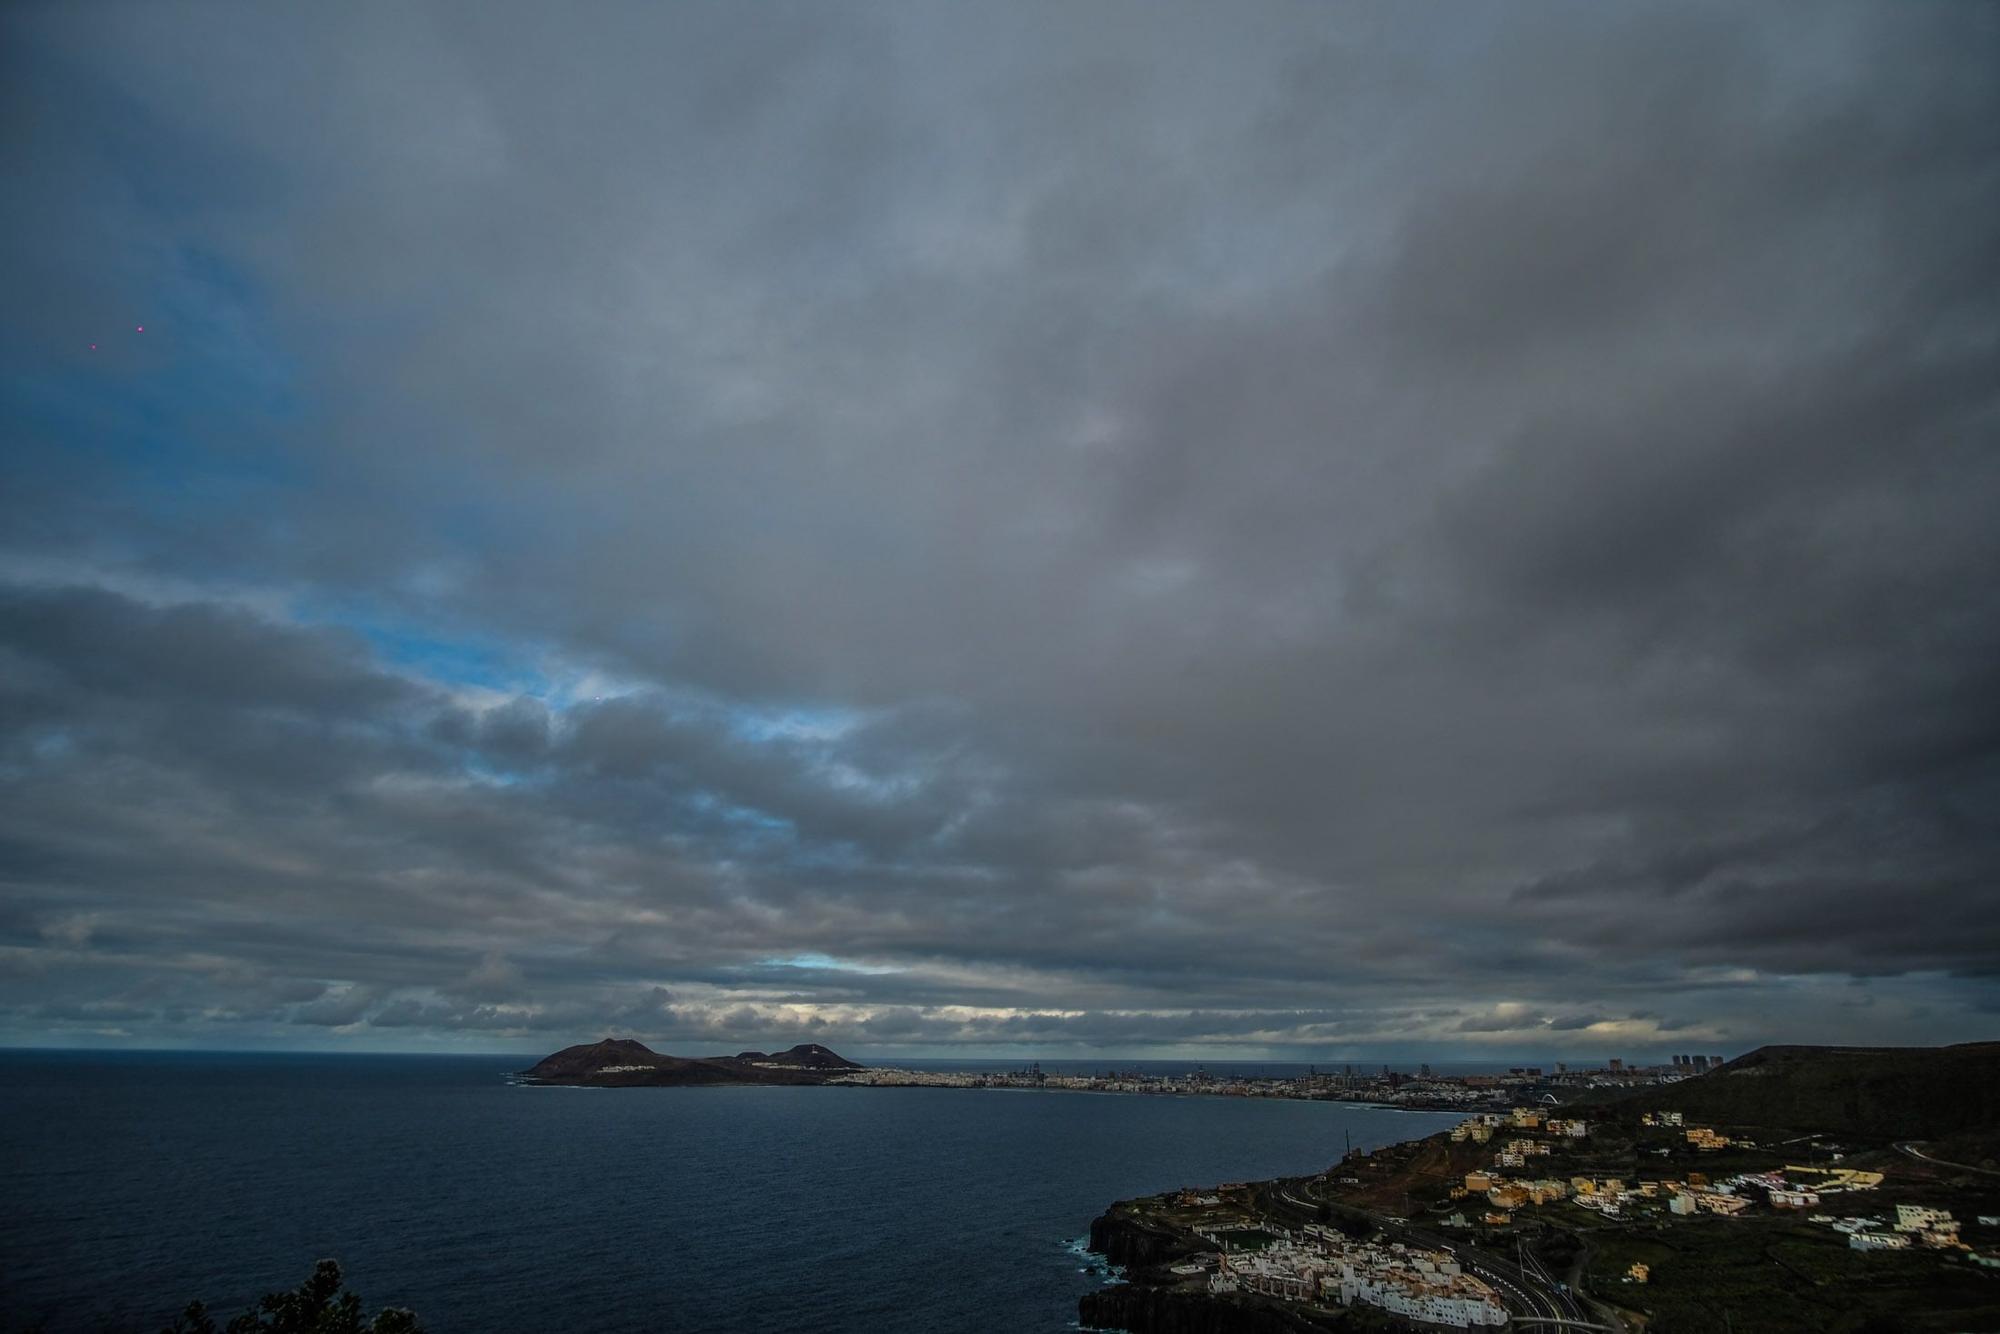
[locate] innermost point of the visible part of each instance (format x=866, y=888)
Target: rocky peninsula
x=625, y=1063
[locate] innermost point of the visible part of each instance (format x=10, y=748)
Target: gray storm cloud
x=1311, y=531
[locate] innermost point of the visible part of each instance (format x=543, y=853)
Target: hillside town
x=1324, y=1265
x=1534, y=1137
x=1470, y=1228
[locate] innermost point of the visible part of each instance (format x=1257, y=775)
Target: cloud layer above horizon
x=1300, y=531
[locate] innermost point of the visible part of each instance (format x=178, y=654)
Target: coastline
x=516, y=1080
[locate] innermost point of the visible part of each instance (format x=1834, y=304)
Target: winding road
x=1910, y=1148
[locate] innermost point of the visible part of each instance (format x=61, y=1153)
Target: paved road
x=1910, y=1147
x=1530, y=1291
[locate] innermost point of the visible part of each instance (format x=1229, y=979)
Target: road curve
x=1910, y=1148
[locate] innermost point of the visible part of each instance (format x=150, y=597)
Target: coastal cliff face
x=1131, y=1243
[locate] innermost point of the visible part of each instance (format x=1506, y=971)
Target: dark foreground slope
x=624, y=1063
x=1869, y=1092
x=1143, y=1309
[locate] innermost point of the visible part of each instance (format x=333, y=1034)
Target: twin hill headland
x=625, y=1063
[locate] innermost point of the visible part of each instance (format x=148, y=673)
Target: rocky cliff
x=1133, y=1243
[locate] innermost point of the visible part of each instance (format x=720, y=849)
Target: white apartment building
x=1878, y=1241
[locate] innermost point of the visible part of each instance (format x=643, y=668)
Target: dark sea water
x=131, y=1183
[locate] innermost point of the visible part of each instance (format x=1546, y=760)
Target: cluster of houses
x=1324, y=1265
x=1610, y=1196
x=1915, y=1225
x=1794, y=1188
x=1791, y=1188
x=1515, y=1151
x=1701, y=1138
x=1481, y=1128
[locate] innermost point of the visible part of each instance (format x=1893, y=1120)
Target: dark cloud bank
x=1307, y=530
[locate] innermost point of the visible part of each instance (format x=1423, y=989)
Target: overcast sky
x=1303, y=531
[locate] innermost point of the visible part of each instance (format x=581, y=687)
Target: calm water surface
x=135, y=1182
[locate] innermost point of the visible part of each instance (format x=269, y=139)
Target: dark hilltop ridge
x=625, y=1063
x=1872, y=1092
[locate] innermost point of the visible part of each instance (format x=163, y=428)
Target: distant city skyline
x=1092, y=532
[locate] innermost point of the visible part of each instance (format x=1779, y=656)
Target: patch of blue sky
x=826, y=963
x=488, y=775
x=794, y=722
x=461, y=661
x=572, y=686
x=468, y=660
x=131, y=429
x=179, y=421
x=221, y=325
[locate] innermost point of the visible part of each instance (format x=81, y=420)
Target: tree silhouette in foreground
x=318, y=1307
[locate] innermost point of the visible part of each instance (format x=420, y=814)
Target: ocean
x=131, y=1183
